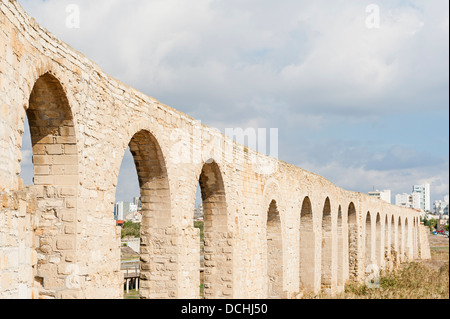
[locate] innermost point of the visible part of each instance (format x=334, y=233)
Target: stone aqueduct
x=268, y=233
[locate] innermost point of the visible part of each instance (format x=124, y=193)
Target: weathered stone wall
x=82, y=121
x=18, y=258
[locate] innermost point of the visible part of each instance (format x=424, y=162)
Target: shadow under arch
x=56, y=180
x=327, y=246
x=156, y=216
x=379, y=247
x=218, y=240
x=341, y=248
x=369, y=249
x=409, y=253
x=307, y=247
x=352, y=243
x=274, y=240
x=401, y=239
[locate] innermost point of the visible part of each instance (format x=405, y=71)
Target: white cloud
x=226, y=52
x=298, y=65
x=360, y=178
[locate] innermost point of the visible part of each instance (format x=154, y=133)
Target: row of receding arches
x=55, y=168
x=377, y=246
x=55, y=158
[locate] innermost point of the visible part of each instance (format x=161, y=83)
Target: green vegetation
x=200, y=225
x=202, y=291
x=133, y=294
x=431, y=223
x=130, y=229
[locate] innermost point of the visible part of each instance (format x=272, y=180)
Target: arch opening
x=216, y=248
x=379, y=249
x=152, y=213
x=369, y=251
x=327, y=246
x=387, y=241
x=352, y=243
x=341, y=243
x=408, y=238
x=401, y=241
x=54, y=161
x=274, y=253
x=307, y=247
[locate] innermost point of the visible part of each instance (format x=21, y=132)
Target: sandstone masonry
x=272, y=230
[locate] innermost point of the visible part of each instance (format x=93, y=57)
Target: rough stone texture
x=272, y=229
x=18, y=258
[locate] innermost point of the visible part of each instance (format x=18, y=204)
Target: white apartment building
x=408, y=200
x=123, y=209
x=418, y=199
x=383, y=195
x=424, y=192
x=441, y=207
x=118, y=213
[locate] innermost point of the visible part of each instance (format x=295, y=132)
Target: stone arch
x=394, y=241
x=153, y=180
x=415, y=238
x=394, y=234
x=307, y=247
x=156, y=212
x=327, y=246
x=47, y=67
x=341, y=242
x=408, y=238
x=369, y=255
x=56, y=180
x=274, y=240
x=218, y=275
x=379, y=247
x=401, y=241
x=352, y=242
x=387, y=239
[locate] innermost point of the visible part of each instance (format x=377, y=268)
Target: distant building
x=138, y=203
x=198, y=213
x=418, y=199
x=408, y=200
x=441, y=207
x=134, y=217
x=123, y=209
x=118, y=212
x=440, y=227
x=383, y=195
x=424, y=193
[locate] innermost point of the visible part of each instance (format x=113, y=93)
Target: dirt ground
x=439, y=246
x=438, y=241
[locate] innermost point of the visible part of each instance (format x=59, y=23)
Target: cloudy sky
x=358, y=97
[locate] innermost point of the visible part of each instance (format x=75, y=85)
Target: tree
x=130, y=229
x=431, y=223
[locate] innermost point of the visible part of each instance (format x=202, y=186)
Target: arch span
x=218, y=243
x=327, y=245
x=274, y=240
x=156, y=213
x=56, y=180
x=369, y=247
x=352, y=243
x=307, y=247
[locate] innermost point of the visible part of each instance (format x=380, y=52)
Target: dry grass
x=416, y=280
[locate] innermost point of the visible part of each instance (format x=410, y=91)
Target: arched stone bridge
x=272, y=229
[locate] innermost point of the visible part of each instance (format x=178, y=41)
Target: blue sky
x=362, y=107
